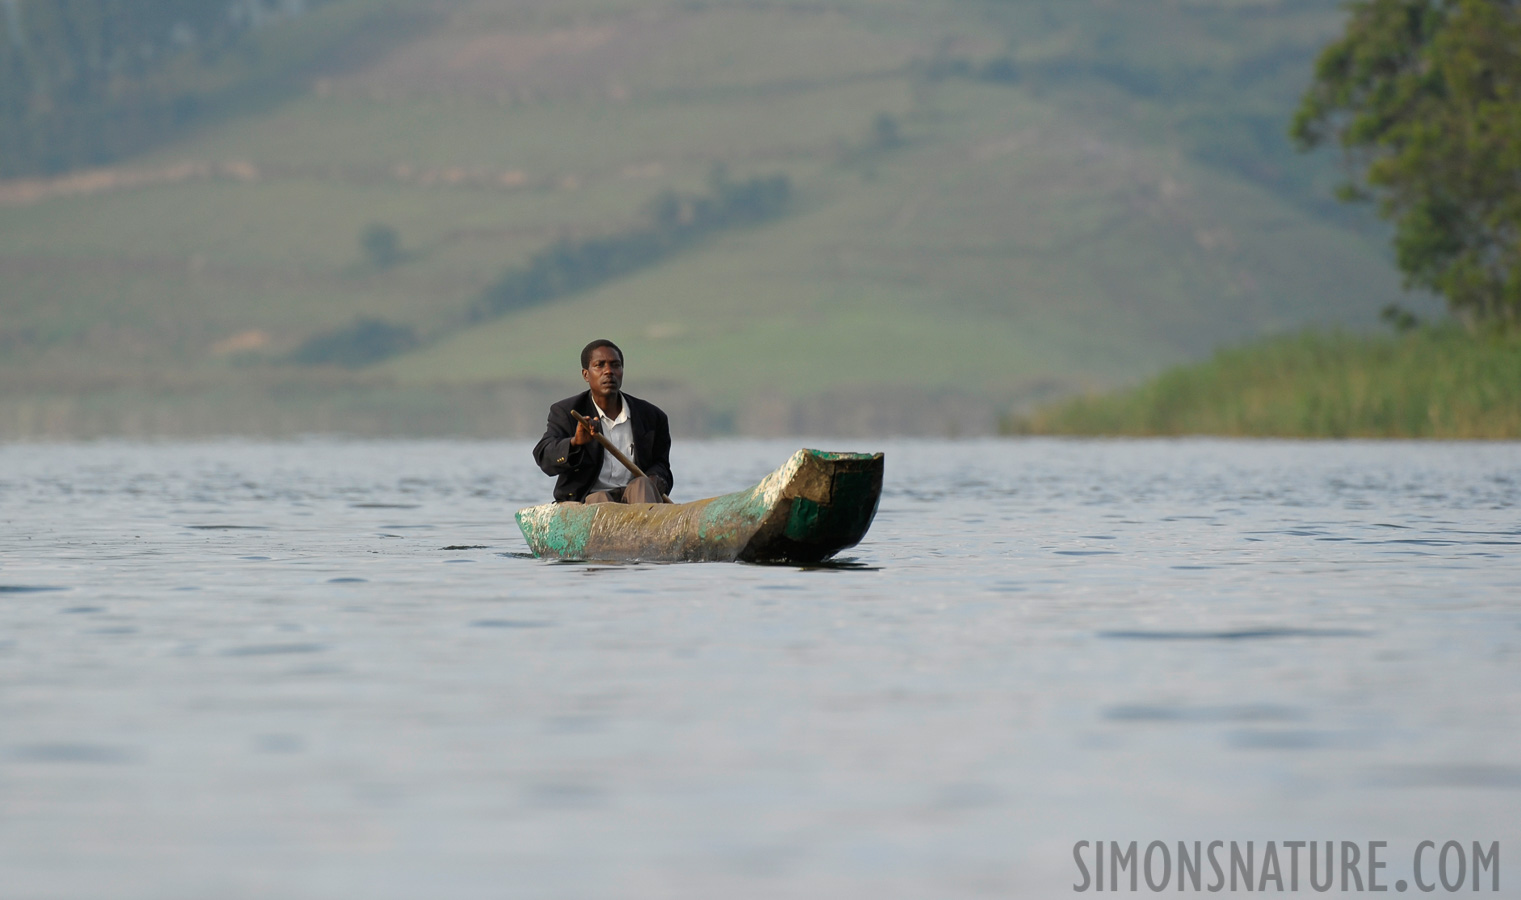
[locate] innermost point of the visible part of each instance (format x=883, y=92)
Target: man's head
x=586, y=352
x=602, y=367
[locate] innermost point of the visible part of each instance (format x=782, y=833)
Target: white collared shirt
x=620, y=432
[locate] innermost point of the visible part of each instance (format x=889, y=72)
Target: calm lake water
x=328, y=669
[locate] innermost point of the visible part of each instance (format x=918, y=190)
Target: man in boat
x=569, y=450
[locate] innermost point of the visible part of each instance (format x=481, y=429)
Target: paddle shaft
x=608, y=446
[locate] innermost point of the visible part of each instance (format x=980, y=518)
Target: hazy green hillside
x=992, y=203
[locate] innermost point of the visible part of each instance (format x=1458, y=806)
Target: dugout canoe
x=813, y=507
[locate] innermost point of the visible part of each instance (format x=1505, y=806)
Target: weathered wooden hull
x=808, y=510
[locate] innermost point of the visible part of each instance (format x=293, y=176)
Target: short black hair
x=586, y=351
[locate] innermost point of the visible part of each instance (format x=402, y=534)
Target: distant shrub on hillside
x=368, y=340
x=381, y=245
x=885, y=132
x=670, y=221
x=999, y=69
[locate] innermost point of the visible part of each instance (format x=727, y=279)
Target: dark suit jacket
x=578, y=467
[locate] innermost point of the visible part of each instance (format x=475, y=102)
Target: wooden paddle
x=617, y=454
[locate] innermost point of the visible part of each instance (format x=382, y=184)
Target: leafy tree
x=381, y=245
x=1001, y=70
x=367, y=340
x=670, y=221
x=1424, y=97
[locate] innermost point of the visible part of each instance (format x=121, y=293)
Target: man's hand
x=585, y=428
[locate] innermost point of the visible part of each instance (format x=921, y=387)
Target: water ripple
x=1245, y=634
x=65, y=752
x=273, y=649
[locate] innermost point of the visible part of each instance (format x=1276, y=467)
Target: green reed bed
x=1438, y=382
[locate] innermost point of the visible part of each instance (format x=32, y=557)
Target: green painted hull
x=808, y=510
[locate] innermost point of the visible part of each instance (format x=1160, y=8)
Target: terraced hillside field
x=991, y=204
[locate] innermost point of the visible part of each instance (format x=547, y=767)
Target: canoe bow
x=814, y=506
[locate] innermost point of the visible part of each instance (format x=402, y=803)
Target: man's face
x=604, y=373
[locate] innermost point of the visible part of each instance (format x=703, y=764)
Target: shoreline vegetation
x=1429, y=382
